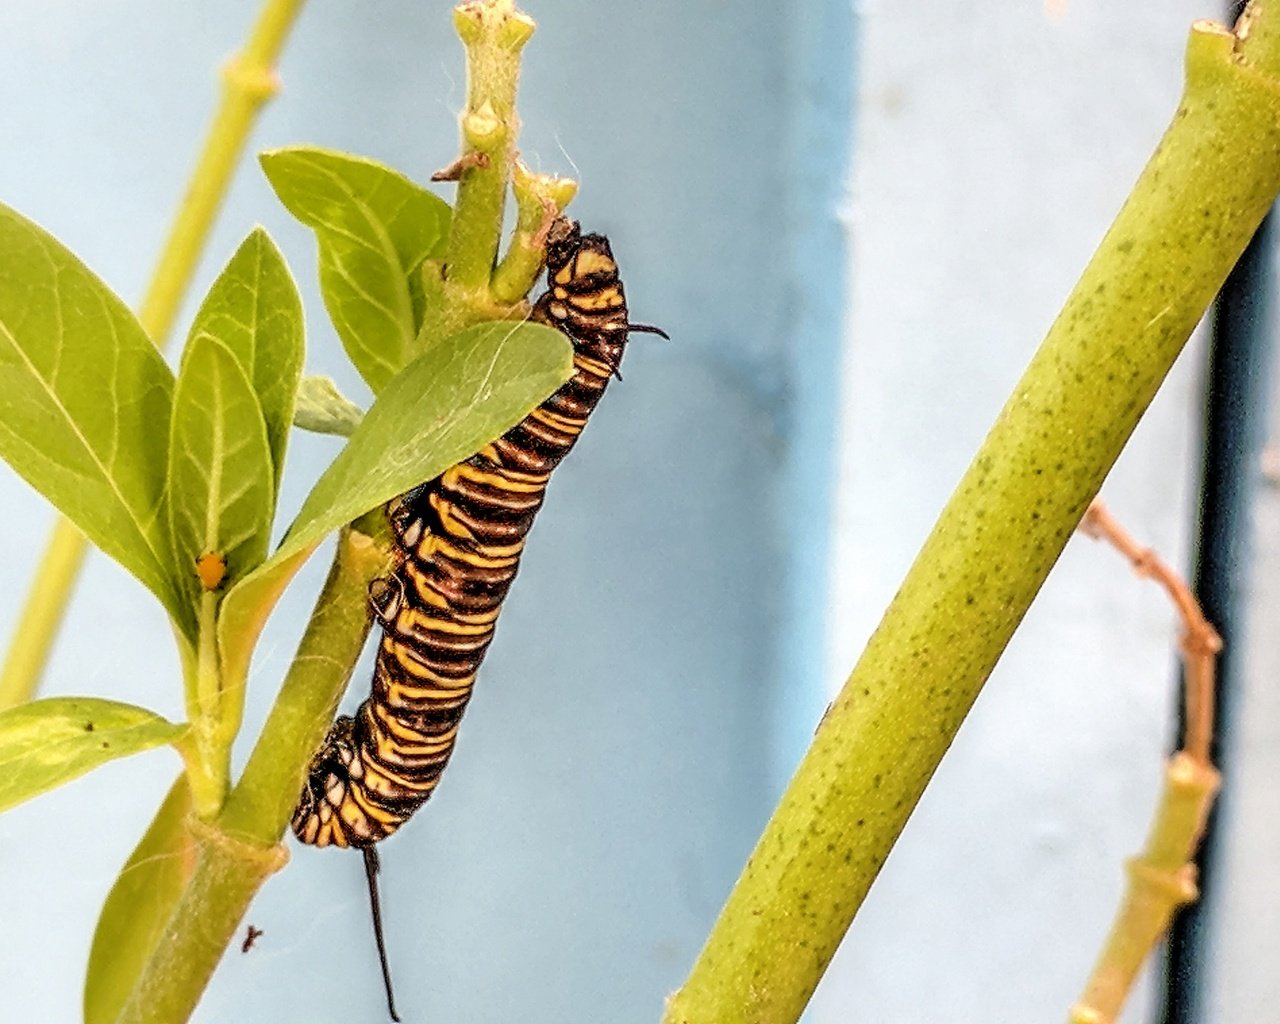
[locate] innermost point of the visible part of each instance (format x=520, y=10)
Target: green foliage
x=374, y=227
x=201, y=468
x=441, y=408
x=232, y=410
x=254, y=310
x=138, y=906
x=323, y=409
x=159, y=474
x=220, y=470
x=50, y=742
x=446, y=404
x=84, y=402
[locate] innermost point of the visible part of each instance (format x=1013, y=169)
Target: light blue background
x=627, y=737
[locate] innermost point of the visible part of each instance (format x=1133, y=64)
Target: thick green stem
x=1194, y=208
x=249, y=80
x=240, y=850
x=227, y=874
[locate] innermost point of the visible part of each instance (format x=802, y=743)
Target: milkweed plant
x=176, y=475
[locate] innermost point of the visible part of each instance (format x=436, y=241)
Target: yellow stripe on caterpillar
x=487, y=557
x=447, y=514
x=603, y=298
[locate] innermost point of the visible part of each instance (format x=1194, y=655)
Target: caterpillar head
x=584, y=297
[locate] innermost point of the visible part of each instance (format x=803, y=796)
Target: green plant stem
x=540, y=198
x=249, y=80
x=240, y=849
x=209, y=773
x=262, y=801
x=38, y=623
x=226, y=875
x=1204, y=192
x=457, y=291
x=1161, y=879
x=494, y=33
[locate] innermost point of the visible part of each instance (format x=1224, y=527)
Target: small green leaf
x=253, y=308
x=84, y=401
x=50, y=742
x=221, y=482
x=447, y=403
x=374, y=228
x=138, y=907
x=323, y=409
x=459, y=395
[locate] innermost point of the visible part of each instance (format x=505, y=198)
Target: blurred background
x=856, y=220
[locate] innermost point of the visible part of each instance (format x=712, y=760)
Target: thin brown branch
x=1200, y=642
x=464, y=163
x=1162, y=878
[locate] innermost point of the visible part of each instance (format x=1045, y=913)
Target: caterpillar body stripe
x=460, y=537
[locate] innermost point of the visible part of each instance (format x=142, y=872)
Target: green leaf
x=84, y=401
x=323, y=409
x=374, y=228
x=139, y=906
x=221, y=482
x=253, y=308
x=450, y=401
x=50, y=742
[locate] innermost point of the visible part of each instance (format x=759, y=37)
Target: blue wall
x=655, y=675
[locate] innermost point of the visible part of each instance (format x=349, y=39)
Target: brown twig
x=1200, y=642
x=460, y=166
x=1162, y=878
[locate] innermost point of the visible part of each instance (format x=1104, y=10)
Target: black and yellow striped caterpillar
x=460, y=537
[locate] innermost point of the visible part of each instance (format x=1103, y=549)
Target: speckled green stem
x=1197, y=203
